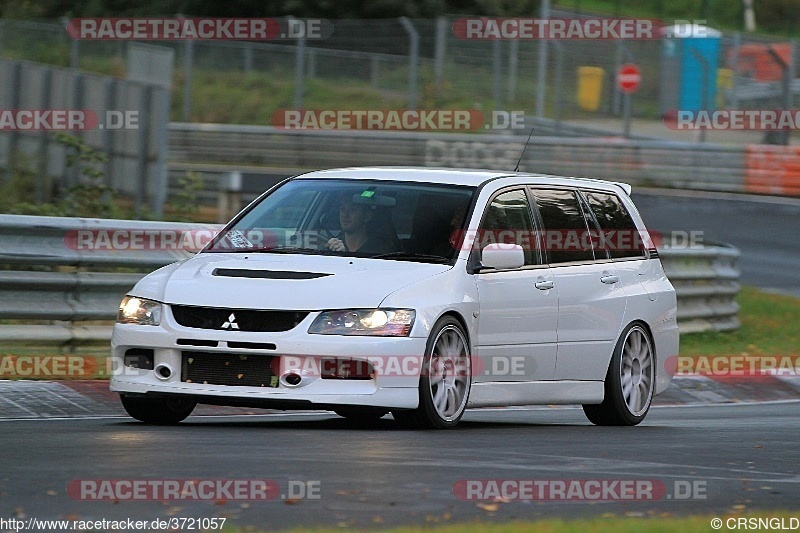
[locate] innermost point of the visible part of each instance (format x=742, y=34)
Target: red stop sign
x=628, y=78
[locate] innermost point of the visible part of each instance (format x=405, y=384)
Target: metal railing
x=706, y=280
x=48, y=272
x=659, y=163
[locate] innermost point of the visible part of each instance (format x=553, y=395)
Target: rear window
x=618, y=232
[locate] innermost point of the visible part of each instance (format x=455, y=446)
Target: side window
x=619, y=233
x=508, y=220
x=566, y=235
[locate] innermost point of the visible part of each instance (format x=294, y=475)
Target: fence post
x=109, y=102
x=188, y=59
x=616, y=98
x=77, y=103
x=16, y=90
x=42, y=188
x=559, y=82
x=160, y=126
x=513, y=65
x=786, y=78
x=299, y=70
x=737, y=42
x=441, y=45
x=497, y=63
x=541, y=68
x=413, y=60
x=74, y=52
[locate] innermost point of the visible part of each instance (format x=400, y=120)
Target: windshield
x=359, y=218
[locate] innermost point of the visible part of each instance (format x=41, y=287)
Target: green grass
x=770, y=326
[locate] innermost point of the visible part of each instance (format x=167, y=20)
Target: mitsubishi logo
x=230, y=323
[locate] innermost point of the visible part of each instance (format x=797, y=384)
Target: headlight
x=133, y=310
x=379, y=322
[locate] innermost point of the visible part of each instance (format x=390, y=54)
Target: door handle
x=609, y=279
x=544, y=285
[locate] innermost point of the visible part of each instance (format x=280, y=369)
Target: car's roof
x=453, y=176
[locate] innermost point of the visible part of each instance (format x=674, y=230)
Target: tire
x=362, y=414
x=630, y=381
x=158, y=411
x=445, y=382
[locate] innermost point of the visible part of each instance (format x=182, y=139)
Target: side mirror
x=502, y=256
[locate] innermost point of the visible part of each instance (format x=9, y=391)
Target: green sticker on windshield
x=368, y=194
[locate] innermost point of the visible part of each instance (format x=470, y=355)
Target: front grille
x=232, y=369
x=236, y=319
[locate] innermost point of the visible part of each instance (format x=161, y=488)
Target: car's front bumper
x=397, y=361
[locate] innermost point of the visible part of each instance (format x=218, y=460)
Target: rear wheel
x=445, y=381
x=630, y=381
x=159, y=411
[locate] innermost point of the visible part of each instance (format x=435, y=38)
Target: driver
x=358, y=234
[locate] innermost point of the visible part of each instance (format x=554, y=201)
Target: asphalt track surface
x=734, y=457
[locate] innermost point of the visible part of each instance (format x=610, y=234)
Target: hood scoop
x=266, y=274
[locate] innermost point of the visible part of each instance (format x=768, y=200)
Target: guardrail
x=706, y=280
x=658, y=163
x=48, y=272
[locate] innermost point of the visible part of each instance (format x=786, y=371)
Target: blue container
x=690, y=60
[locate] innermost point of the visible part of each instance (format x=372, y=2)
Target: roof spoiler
x=624, y=186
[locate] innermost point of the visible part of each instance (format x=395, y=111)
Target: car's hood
x=259, y=281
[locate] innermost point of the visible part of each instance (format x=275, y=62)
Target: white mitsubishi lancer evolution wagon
x=421, y=292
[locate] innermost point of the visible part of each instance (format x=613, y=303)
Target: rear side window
x=619, y=234
x=566, y=234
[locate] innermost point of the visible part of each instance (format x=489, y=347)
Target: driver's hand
x=336, y=245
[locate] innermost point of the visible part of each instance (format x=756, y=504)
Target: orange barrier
x=754, y=61
x=772, y=169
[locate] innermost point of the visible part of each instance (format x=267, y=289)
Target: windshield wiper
x=412, y=255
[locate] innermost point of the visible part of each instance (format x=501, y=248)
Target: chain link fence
x=400, y=63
